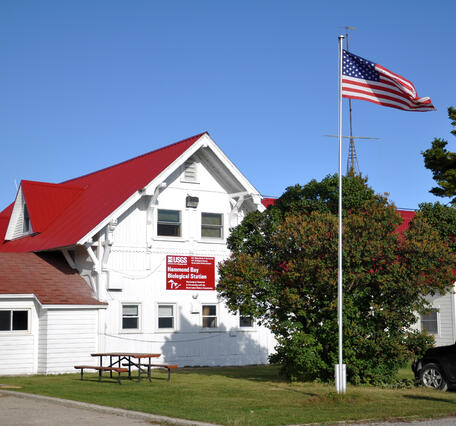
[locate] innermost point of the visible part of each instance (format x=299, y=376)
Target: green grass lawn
x=243, y=396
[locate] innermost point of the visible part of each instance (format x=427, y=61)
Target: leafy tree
x=283, y=272
x=443, y=219
x=442, y=163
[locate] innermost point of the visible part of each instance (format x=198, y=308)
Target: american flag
x=363, y=79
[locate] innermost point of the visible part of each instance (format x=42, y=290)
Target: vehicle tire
x=431, y=376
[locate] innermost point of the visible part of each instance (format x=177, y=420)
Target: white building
x=441, y=322
x=125, y=259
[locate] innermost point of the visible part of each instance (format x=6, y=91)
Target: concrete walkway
x=30, y=410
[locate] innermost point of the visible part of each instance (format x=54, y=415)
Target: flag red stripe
x=385, y=84
x=373, y=85
x=386, y=89
x=387, y=102
x=380, y=98
x=390, y=104
x=384, y=94
x=398, y=77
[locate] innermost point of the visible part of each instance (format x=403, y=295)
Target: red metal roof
x=47, y=276
x=47, y=201
x=73, y=208
x=407, y=216
x=268, y=201
x=4, y=219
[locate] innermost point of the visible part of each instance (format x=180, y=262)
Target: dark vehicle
x=437, y=369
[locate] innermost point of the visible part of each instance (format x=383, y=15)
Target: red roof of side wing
x=100, y=193
x=47, y=276
x=47, y=201
x=4, y=219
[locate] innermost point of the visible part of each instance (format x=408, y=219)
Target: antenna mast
x=352, y=160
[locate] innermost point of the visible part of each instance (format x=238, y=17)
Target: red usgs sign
x=190, y=273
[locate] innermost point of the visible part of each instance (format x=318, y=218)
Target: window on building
x=26, y=225
x=209, y=316
x=245, y=320
x=169, y=223
x=166, y=317
x=429, y=322
x=211, y=225
x=14, y=320
x=130, y=317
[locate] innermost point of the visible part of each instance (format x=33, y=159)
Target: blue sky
x=87, y=84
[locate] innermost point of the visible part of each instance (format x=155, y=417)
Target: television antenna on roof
x=352, y=159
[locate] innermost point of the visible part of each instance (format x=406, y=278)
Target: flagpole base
x=341, y=377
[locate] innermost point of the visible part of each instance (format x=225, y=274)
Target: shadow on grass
x=93, y=377
x=260, y=373
x=428, y=398
x=105, y=380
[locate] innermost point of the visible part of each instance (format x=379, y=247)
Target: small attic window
x=26, y=224
x=190, y=173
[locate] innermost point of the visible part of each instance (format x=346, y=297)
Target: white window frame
x=131, y=330
x=437, y=311
x=217, y=317
x=29, y=321
x=157, y=316
x=157, y=222
x=221, y=227
x=245, y=327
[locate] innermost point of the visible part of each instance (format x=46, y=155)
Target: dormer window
x=19, y=224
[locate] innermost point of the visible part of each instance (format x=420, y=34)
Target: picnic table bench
x=168, y=367
x=100, y=370
x=132, y=359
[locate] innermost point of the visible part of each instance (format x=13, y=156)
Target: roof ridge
x=60, y=185
x=197, y=136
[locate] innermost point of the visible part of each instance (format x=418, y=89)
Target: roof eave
x=204, y=141
x=139, y=193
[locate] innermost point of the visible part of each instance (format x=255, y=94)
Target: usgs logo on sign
x=190, y=273
x=177, y=260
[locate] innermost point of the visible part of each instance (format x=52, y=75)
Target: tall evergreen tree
x=442, y=164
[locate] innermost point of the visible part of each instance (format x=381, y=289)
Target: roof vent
x=190, y=173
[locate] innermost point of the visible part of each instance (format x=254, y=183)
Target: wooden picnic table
x=131, y=359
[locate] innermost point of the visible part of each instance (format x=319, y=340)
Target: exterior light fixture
x=191, y=202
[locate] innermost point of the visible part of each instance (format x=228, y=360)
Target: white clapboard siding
x=16, y=354
x=68, y=338
x=445, y=317
x=131, y=226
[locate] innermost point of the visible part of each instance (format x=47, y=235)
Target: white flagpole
x=340, y=370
